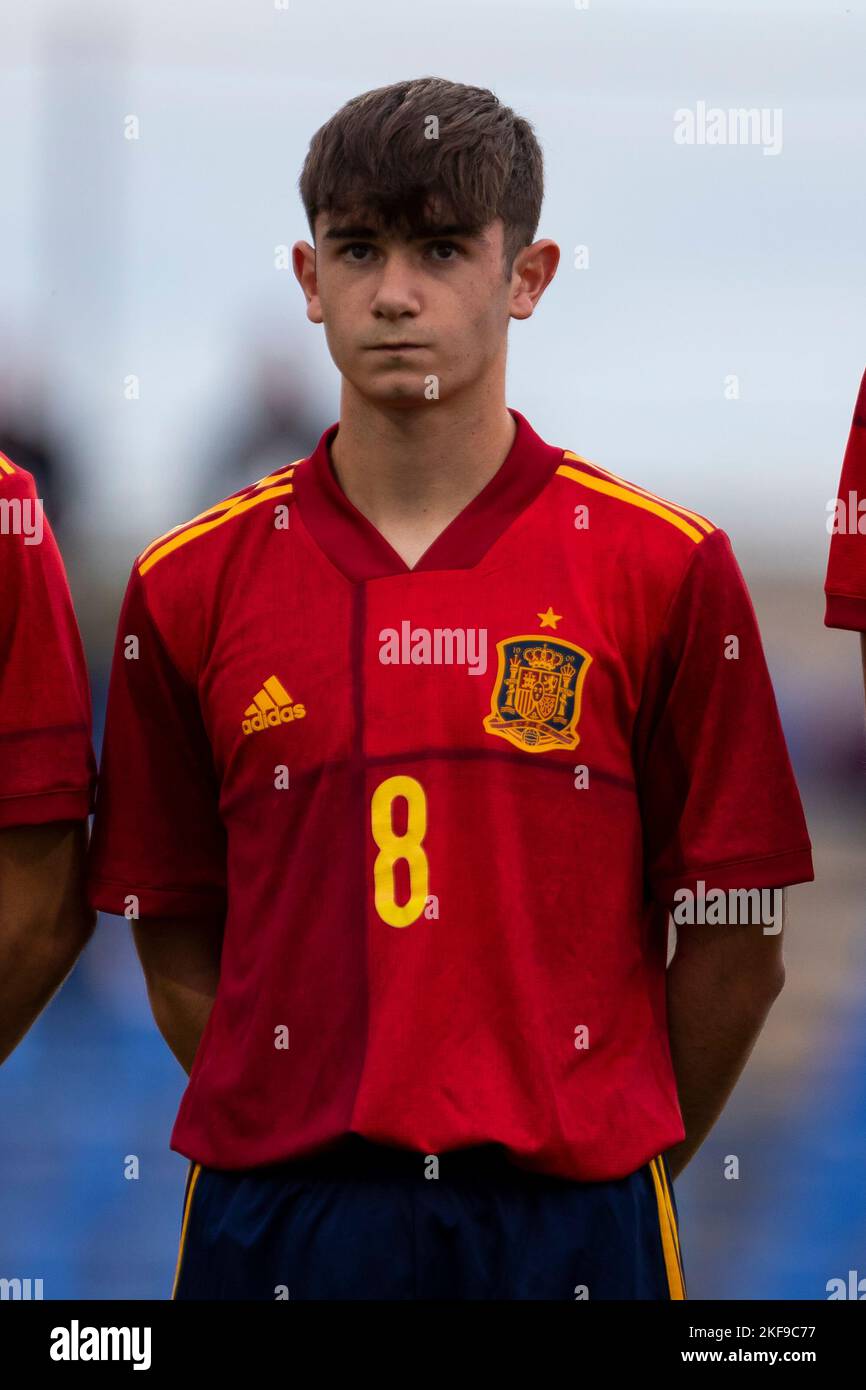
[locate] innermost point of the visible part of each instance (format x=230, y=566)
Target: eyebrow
x=357, y=232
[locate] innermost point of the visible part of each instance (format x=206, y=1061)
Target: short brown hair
x=374, y=154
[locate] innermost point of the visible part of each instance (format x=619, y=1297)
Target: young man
x=409, y=746
x=845, y=585
x=47, y=770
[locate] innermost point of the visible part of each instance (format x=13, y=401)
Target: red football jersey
x=443, y=809
x=845, y=585
x=47, y=768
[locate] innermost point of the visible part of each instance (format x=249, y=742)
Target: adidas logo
x=272, y=706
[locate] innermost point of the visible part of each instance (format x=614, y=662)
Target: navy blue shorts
x=366, y=1222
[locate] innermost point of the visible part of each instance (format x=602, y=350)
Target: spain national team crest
x=536, y=699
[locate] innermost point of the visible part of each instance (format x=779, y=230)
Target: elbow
x=38, y=956
x=68, y=938
x=749, y=986
x=764, y=988
x=66, y=950
x=48, y=948
x=776, y=981
x=160, y=1005
x=165, y=1006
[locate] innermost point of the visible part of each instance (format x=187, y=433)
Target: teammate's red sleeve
x=158, y=845
x=845, y=585
x=47, y=768
x=718, y=795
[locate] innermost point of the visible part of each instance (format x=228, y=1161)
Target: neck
x=413, y=469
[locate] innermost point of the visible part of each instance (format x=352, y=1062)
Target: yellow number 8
x=393, y=848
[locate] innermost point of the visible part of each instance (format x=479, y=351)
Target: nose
x=395, y=293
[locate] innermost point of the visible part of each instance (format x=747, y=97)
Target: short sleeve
x=718, y=797
x=157, y=836
x=47, y=770
x=845, y=585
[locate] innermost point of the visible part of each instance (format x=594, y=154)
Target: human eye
x=361, y=246
x=445, y=246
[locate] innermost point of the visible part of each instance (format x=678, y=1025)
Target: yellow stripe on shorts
x=194, y=1177
x=669, y=1234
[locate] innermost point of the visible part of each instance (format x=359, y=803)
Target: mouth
x=397, y=347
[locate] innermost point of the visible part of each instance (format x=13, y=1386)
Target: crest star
x=550, y=619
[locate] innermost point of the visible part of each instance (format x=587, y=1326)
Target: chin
x=393, y=392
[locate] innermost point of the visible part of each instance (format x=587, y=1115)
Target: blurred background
x=704, y=336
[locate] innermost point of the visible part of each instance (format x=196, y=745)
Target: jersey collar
x=360, y=552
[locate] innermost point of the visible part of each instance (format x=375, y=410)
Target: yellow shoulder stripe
x=224, y=505
x=646, y=502
x=700, y=521
x=5, y=465
x=193, y=532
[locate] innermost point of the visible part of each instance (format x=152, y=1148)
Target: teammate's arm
x=845, y=582
x=722, y=822
x=158, y=841
x=44, y=919
x=46, y=764
x=181, y=964
x=721, y=985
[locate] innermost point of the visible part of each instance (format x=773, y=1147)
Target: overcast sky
x=706, y=262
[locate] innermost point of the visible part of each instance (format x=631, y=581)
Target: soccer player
x=411, y=747
x=47, y=769
x=845, y=585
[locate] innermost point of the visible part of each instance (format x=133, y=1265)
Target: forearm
x=714, y=1020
